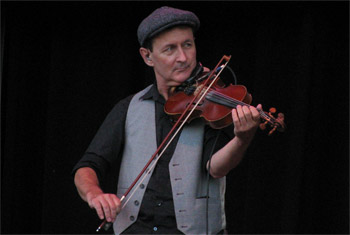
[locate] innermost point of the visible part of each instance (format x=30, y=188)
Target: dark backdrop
x=65, y=65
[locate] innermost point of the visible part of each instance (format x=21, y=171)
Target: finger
x=113, y=205
x=106, y=209
x=259, y=106
x=98, y=207
x=241, y=114
x=116, y=201
x=109, y=208
x=255, y=113
x=247, y=113
x=235, y=118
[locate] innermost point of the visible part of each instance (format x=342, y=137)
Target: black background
x=65, y=64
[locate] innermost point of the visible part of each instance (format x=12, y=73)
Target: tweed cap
x=163, y=18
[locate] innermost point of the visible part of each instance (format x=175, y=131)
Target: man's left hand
x=246, y=119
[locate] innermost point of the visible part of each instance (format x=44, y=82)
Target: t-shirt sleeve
x=214, y=140
x=106, y=146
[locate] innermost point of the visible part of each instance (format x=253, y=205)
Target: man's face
x=173, y=56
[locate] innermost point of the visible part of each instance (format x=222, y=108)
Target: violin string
x=234, y=102
x=230, y=100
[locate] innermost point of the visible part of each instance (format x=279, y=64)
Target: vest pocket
x=214, y=188
x=215, y=213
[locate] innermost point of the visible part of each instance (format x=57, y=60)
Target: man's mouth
x=181, y=69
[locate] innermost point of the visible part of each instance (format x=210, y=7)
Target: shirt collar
x=153, y=94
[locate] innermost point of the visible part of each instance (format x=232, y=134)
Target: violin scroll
x=277, y=123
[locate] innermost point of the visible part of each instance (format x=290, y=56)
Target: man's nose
x=182, y=57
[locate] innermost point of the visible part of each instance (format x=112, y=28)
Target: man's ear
x=146, y=55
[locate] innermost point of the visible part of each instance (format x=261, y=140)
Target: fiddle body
x=215, y=114
x=216, y=105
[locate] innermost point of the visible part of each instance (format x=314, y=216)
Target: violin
x=214, y=103
x=201, y=96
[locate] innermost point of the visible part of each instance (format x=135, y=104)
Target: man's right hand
x=106, y=205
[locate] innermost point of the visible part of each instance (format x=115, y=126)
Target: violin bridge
x=199, y=89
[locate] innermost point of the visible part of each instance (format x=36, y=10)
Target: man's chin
x=179, y=81
x=183, y=77
x=175, y=84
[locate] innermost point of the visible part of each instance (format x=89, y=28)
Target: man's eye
x=168, y=49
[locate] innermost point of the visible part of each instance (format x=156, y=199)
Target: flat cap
x=163, y=18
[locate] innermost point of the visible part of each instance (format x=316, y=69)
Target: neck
x=165, y=91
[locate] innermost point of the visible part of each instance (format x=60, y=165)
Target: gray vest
x=188, y=179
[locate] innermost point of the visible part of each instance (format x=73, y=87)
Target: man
x=173, y=196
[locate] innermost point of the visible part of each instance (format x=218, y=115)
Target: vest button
x=136, y=203
x=132, y=218
x=155, y=229
x=142, y=186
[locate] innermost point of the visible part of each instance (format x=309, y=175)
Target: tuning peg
x=278, y=123
x=272, y=110
x=280, y=120
x=263, y=125
x=272, y=130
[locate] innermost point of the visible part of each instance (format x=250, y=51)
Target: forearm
x=106, y=205
x=227, y=157
x=87, y=183
x=246, y=120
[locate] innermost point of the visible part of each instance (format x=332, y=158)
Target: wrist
x=93, y=193
x=242, y=142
